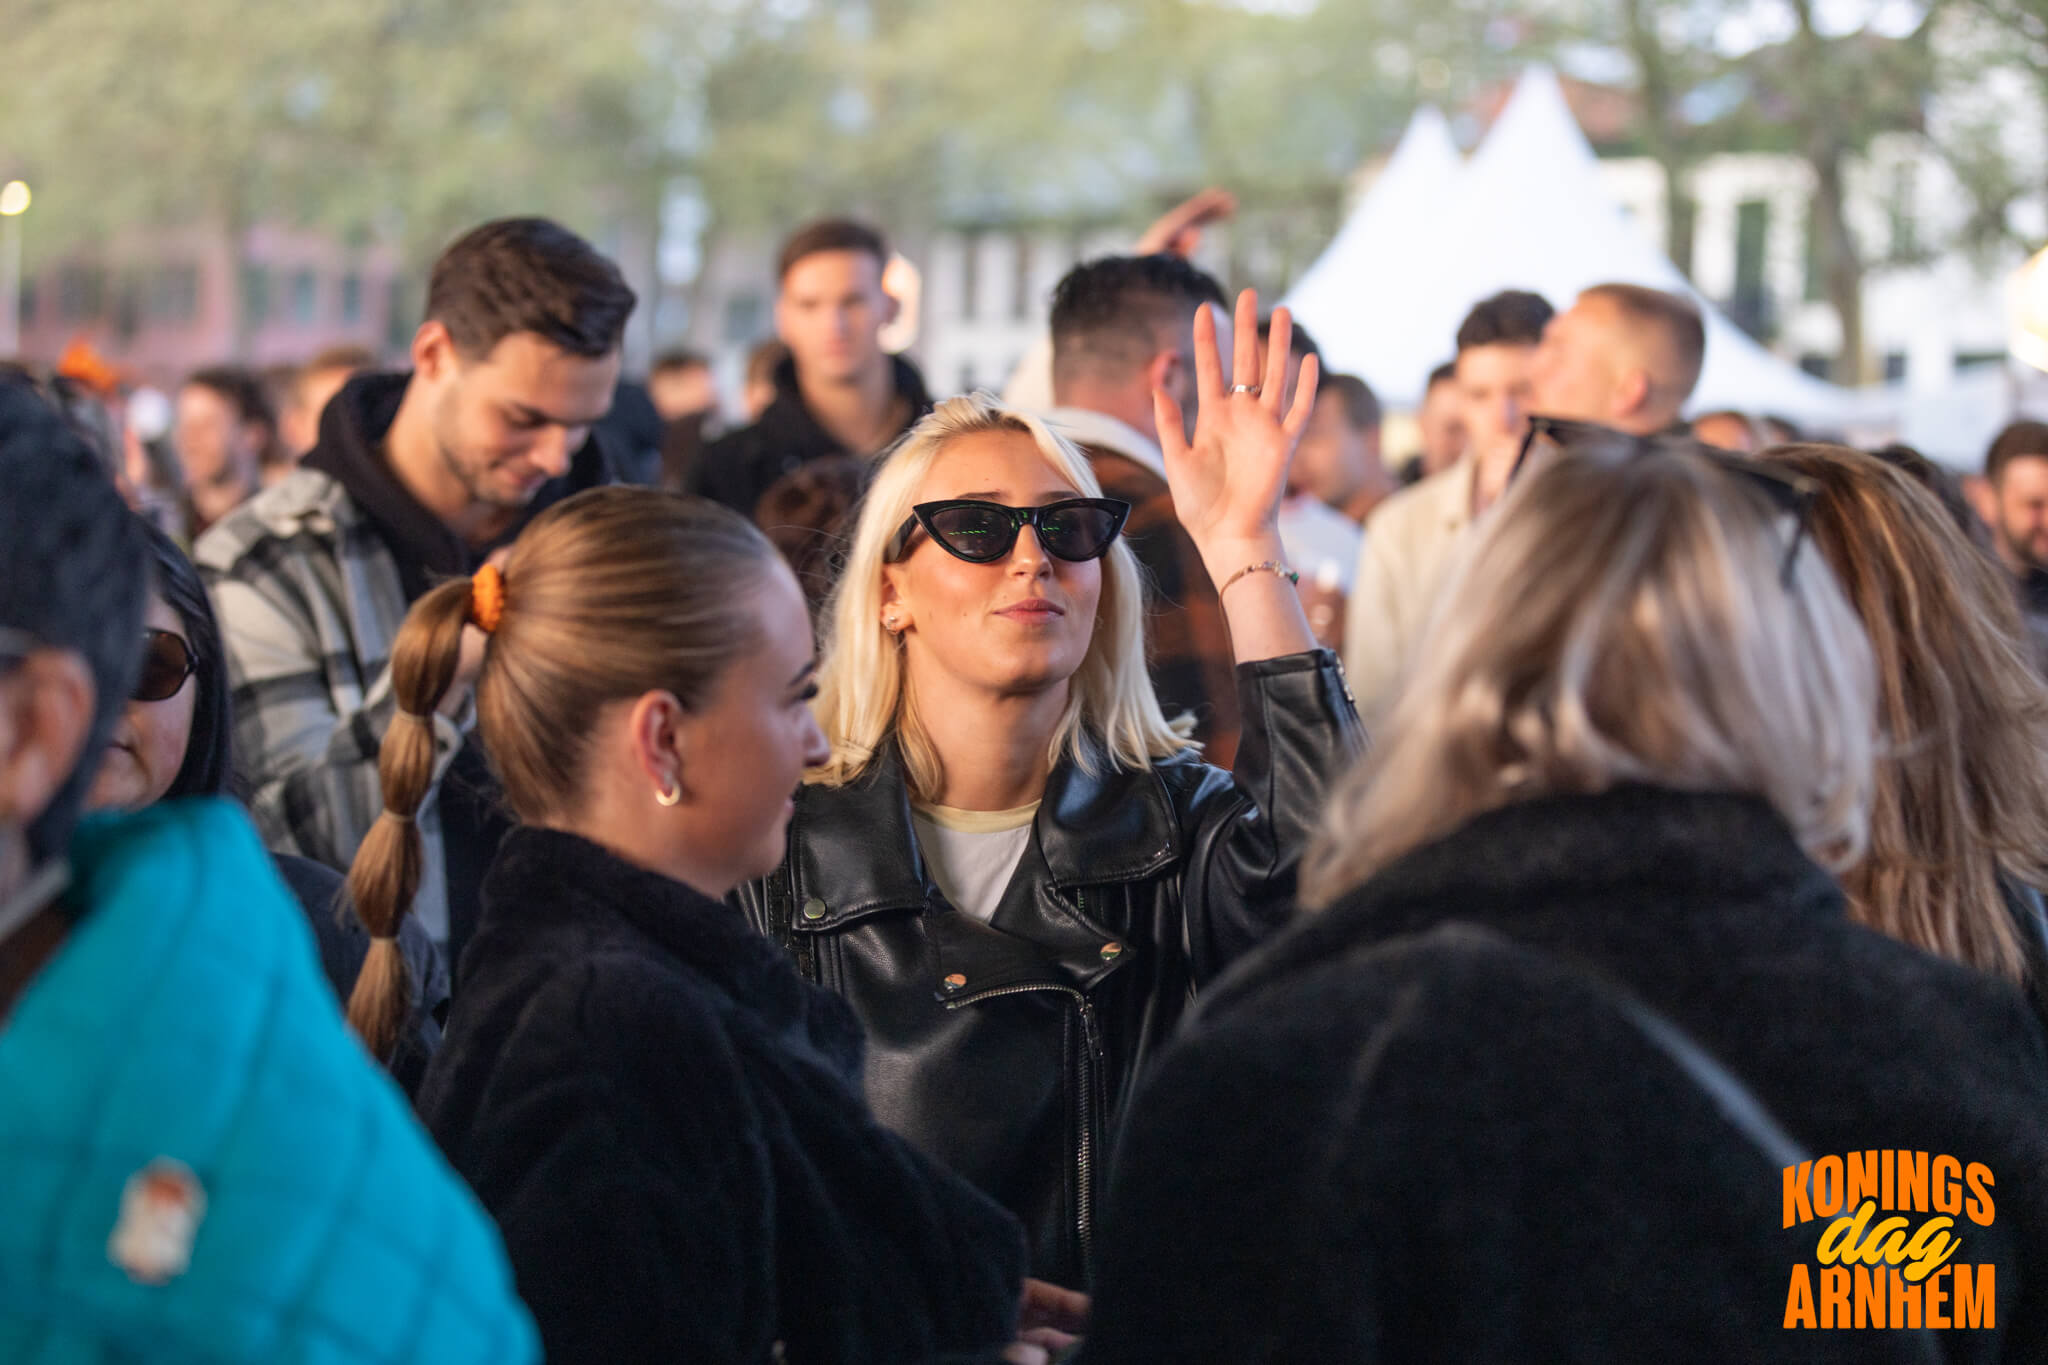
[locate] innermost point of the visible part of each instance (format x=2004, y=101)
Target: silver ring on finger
x=1252, y=389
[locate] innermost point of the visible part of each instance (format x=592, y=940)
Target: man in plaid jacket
x=1121, y=326
x=416, y=478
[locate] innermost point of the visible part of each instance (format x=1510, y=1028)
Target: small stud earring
x=670, y=793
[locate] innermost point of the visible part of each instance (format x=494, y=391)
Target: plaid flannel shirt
x=309, y=600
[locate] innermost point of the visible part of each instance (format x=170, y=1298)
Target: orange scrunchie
x=487, y=598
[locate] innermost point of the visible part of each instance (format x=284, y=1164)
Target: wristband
x=1272, y=566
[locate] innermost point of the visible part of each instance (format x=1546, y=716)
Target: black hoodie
x=351, y=451
x=739, y=467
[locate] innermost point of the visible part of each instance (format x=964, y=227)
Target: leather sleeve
x=1247, y=830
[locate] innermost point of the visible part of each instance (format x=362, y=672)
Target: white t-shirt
x=972, y=853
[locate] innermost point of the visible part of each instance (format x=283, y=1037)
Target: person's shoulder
x=305, y=501
x=1420, y=503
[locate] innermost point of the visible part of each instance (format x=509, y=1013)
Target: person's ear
x=1164, y=371
x=1631, y=392
x=896, y=613
x=46, y=711
x=433, y=351
x=657, y=728
x=1982, y=495
x=892, y=308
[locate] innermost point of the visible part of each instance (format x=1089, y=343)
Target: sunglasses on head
x=167, y=660
x=1074, y=529
x=1792, y=494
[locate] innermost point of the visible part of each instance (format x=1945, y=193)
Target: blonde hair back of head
x=865, y=697
x=1620, y=621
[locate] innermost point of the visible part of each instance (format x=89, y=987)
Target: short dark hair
x=1442, y=374
x=74, y=573
x=529, y=275
x=208, y=768
x=2017, y=441
x=830, y=234
x=1299, y=342
x=1361, y=404
x=678, y=358
x=1675, y=316
x=243, y=389
x=1112, y=312
x=1513, y=317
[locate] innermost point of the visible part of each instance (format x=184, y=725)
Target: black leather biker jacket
x=1007, y=1048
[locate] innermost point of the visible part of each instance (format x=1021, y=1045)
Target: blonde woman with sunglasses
x=1011, y=866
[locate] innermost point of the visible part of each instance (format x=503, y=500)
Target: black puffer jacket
x=668, y=1126
x=1006, y=1049
x=1417, y=1126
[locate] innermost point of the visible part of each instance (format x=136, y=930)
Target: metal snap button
x=814, y=908
x=955, y=981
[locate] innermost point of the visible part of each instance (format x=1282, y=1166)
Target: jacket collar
x=1116, y=825
x=1098, y=429
x=548, y=879
x=1655, y=852
x=351, y=451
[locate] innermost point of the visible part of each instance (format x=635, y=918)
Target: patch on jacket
x=161, y=1208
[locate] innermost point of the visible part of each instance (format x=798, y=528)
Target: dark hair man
x=1121, y=327
x=416, y=477
x=839, y=392
x=2014, y=501
x=681, y=384
x=224, y=431
x=1338, y=461
x=1441, y=422
x=1412, y=539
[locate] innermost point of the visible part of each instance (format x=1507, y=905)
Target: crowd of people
x=497, y=863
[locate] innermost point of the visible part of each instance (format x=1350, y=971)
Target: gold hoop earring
x=671, y=792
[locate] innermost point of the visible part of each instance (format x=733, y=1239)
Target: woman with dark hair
x=175, y=739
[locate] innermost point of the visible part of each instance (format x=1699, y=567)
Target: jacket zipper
x=1092, y=1063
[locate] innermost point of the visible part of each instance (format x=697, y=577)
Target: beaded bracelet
x=1272, y=566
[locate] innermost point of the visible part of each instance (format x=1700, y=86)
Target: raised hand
x=1178, y=231
x=1227, y=482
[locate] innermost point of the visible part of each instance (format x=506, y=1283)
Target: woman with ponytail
x=665, y=1119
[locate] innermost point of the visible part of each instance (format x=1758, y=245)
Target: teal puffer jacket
x=198, y=1163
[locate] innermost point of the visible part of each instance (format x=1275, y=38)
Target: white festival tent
x=1528, y=211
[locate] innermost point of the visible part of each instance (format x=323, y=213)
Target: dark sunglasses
x=1075, y=529
x=166, y=662
x=1792, y=494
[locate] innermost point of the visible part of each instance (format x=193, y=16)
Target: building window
x=398, y=316
x=351, y=298
x=1816, y=364
x=1971, y=360
x=81, y=292
x=970, y=273
x=1894, y=366
x=1749, y=307
x=1020, y=301
x=967, y=377
x=28, y=301
x=173, y=294
x=305, y=297
x=255, y=296
x=745, y=315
